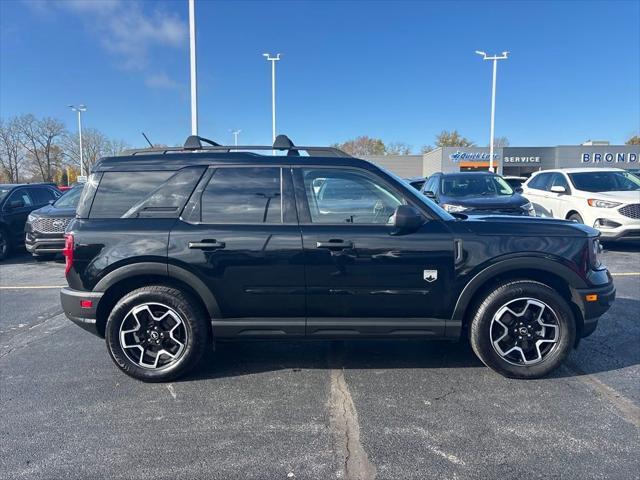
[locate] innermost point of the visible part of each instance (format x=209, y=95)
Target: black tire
x=196, y=333
x=5, y=244
x=511, y=293
x=576, y=217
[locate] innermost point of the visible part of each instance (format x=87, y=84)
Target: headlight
x=602, y=203
x=453, y=208
x=31, y=218
x=595, y=249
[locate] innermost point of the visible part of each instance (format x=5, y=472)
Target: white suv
x=606, y=198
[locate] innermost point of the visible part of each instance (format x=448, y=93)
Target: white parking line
x=31, y=287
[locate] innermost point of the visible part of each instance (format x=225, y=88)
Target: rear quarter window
x=151, y=194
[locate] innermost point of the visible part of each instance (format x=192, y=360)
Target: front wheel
x=157, y=333
x=523, y=329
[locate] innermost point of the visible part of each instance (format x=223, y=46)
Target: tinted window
x=41, y=195
x=559, y=181
x=605, y=181
x=540, y=181
x=342, y=196
x=119, y=191
x=432, y=185
x=18, y=195
x=243, y=195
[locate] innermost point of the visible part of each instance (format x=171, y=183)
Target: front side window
x=243, y=195
x=605, y=181
x=560, y=181
x=343, y=196
x=41, y=195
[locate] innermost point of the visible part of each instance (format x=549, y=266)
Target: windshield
x=474, y=185
x=3, y=192
x=418, y=197
x=605, y=181
x=69, y=199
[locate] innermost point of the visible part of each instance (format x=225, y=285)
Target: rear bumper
x=83, y=316
x=592, y=310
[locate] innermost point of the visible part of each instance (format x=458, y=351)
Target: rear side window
x=157, y=194
x=41, y=195
x=243, y=195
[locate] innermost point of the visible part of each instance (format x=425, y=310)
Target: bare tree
x=40, y=139
x=500, y=142
x=363, y=145
x=11, y=150
x=397, y=148
x=426, y=149
x=452, y=139
x=635, y=140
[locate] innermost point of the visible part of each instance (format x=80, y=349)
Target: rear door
x=537, y=193
x=361, y=278
x=16, y=217
x=239, y=233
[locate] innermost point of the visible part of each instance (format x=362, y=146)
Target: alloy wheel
x=524, y=331
x=153, y=336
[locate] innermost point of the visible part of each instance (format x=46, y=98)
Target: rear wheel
x=156, y=333
x=523, y=329
x=576, y=217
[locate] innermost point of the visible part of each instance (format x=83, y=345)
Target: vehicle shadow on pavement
x=613, y=346
x=245, y=358
x=22, y=258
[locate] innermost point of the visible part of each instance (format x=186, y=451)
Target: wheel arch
x=546, y=271
x=120, y=281
x=571, y=212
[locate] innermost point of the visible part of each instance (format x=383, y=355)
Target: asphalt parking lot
x=383, y=409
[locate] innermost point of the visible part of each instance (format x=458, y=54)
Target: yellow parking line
x=30, y=287
x=625, y=274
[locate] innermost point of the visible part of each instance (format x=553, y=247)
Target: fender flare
x=544, y=264
x=164, y=270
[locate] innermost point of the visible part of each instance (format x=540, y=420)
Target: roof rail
x=281, y=143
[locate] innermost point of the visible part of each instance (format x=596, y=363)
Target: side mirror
x=16, y=204
x=518, y=190
x=407, y=219
x=558, y=189
x=430, y=194
x=51, y=202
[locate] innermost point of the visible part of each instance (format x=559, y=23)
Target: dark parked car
x=45, y=227
x=174, y=249
x=515, y=182
x=416, y=182
x=17, y=201
x=475, y=193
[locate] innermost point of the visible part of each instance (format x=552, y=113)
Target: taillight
x=67, y=251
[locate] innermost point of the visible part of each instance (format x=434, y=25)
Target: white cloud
x=129, y=30
x=160, y=80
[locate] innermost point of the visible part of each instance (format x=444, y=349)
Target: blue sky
x=401, y=71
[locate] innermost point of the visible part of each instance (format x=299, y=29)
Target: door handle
x=207, y=245
x=335, y=244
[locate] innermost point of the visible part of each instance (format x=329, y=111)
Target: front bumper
x=83, y=316
x=44, y=244
x=593, y=309
x=624, y=233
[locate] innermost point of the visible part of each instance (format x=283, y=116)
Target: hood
x=526, y=226
x=486, y=201
x=626, y=196
x=52, y=211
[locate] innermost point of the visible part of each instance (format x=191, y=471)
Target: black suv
x=173, y=250
x=476, y=193
x=17, y=201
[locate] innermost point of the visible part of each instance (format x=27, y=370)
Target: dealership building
x=517, y=161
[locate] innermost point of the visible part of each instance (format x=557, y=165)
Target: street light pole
x=235, y=136
x=80, y=108
x=495, y=59
x=192, y=61
x=273, y=61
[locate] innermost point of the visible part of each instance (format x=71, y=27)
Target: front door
x=361, y=278
x=16, y=214
x=240, y=235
